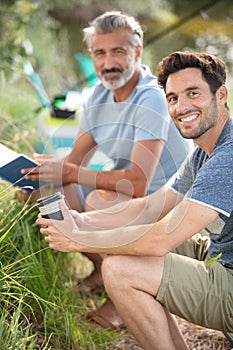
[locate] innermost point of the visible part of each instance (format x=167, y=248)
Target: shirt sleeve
x=208, y=181
x=214, y=182
x=152, y=119
x=183, y=179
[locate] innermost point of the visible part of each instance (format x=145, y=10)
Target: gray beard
x=113, y=84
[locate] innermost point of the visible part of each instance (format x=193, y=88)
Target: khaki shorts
x=194, y=291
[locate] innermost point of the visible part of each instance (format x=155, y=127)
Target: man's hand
x=51, y=170
x=78, y=218
x=57, y=232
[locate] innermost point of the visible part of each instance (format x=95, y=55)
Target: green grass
x=39, y=307
x=38, y=304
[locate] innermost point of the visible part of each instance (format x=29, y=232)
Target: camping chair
x=87, y=67
x=37, y=83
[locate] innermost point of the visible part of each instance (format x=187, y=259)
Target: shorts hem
x=165, y=278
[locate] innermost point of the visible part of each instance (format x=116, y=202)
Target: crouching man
x=157, y=264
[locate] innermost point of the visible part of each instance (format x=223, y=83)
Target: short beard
x=117, y=83
x=206, y=125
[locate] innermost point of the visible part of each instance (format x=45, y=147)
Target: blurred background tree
x=49, y=33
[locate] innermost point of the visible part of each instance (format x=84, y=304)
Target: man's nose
x=108, y=61
x=183, y=104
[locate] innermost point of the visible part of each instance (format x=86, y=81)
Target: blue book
x=11, y=164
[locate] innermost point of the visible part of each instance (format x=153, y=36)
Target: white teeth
x=189, y=119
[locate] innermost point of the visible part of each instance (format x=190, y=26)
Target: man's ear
x=138, y=52
x=222, y=94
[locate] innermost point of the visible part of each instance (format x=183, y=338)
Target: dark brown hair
x=213, y=69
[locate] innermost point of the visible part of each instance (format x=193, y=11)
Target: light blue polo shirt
x=142, y=116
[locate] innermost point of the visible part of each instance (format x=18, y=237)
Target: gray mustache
x=112, y=70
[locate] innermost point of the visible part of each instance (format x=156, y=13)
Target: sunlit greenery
x=38, y=304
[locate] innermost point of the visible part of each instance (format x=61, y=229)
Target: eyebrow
x=185, y=90
x=112, y=49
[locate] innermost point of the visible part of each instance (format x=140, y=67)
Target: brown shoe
x=107, y=316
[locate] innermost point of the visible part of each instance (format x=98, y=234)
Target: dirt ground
x=197, y=338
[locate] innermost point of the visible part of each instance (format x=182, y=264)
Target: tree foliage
x=14, y=45
x=169, y=25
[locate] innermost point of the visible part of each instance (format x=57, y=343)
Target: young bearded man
x=156, y=261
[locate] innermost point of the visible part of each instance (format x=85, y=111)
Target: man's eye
x=171, y=99
x=192, y=93
x=98, y=53
x=119, y=52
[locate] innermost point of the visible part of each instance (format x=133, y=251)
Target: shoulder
x=223, y=151
x=97, y=95
x=148, y=93
x=148, y=80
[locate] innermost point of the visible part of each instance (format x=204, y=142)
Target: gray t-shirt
x=142, y=116
x=209, y=181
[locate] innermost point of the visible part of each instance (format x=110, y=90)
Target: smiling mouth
x=189, y=118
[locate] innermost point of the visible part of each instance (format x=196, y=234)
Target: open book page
x=6, y=155
x=11, y=164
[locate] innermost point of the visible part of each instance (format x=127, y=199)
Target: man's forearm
x=136, y=211
x=116, y=241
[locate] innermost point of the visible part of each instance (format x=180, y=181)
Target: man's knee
x=102, y=199
x=93, y=199
x=123, y=273
x=113, y=271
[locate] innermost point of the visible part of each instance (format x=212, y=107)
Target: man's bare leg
x=174, y=329
x=72, y=197
x=98, y=199
x=101, y=199
x=132, y=283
